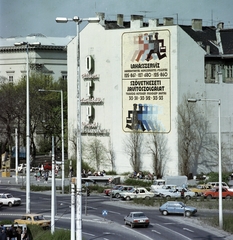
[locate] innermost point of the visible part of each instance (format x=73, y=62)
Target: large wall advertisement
x=146, y=81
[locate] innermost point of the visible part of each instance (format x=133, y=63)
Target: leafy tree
x=95, y=153
x=133, y=148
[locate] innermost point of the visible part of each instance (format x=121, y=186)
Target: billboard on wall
x=146, y=81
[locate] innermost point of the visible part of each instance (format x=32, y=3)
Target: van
x=216, y=184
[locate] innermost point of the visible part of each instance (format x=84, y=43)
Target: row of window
x=216, y=73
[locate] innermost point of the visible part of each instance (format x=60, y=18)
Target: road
x=111, y=226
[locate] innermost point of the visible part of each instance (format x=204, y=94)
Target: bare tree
x=95, y=152
x=133, y=148
x=157, y=146
x=196, y=145
x=111, y=155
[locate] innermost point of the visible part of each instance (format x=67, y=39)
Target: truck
x=179, y=181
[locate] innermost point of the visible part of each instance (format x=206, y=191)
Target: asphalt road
x=111, y=226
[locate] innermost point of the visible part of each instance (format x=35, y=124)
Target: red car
x=108, y=190
x=47, y=166
x=214, y=193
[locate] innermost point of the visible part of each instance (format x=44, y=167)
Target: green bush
x=138, y=183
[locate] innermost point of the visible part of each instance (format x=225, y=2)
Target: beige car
x=37, y=219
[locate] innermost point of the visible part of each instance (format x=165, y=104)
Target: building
x=137, y=71
x=49, y=58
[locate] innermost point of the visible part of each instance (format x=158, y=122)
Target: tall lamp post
x=219, y=154
x=27, y=124
x=62, y=134
x=78, y=20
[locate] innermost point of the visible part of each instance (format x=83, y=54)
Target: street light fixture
x=27, y=124
x=78, y=20
x=62, y=133
x=219, y=152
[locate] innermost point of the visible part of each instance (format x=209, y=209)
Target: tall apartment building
x=134, y=75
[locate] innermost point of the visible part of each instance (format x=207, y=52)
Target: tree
x=196, y=145
x=111, y=154
x=95, y=153
x=133, y=148
x=157, y=146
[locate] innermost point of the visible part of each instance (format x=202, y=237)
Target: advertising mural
x=146, y=81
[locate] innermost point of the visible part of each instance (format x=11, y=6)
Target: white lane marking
x=156, y=231
x=145, y=237
x=189, y=230
x=168, y=229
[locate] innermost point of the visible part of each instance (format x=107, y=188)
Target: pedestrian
x=19, y=232
x=3, y=234
x=13, y=233
x=46, y=176
x=71, y=172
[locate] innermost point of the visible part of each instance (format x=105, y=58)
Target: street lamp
x=27, y=124
x=219, y=154
x=78, y=20
x=62, y=133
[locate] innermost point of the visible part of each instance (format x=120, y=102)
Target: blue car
x=174, y=207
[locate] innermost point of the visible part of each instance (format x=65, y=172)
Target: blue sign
x=104, y=212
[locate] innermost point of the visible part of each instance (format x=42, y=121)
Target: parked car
x=36, y=219
x=174, y=207
x=136, y=193
x=186, y=193
x=136, y=219
x=214, y=193
x=216, y=184
x=107, y=191
x=116, y=192
x=171, y=194
x=199, y=189
x=8, y=199
x=164, y=188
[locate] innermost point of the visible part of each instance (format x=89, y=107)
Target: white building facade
x=118, y=72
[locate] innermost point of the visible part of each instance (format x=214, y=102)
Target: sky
x=24, y=17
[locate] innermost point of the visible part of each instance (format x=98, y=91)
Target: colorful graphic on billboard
x=146, y=81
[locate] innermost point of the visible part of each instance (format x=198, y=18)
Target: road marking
x=189, y=230
x=155, y=231
x=145, y=237
x=168, y=229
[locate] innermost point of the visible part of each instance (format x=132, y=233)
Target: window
x=10, y=79
x=228, y=73
x=212, y=72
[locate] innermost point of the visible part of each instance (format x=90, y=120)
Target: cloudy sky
x=23, y=17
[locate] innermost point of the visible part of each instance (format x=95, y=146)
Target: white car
x=22, y=167
x=163, y=189
x=178, y=193
x=8, y=199
x=136, y=193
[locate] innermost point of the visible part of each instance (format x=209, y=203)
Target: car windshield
x=138, y=215
x=9, y=196
x=132, y=190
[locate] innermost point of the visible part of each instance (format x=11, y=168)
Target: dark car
x=174, y=207
x=136, y=219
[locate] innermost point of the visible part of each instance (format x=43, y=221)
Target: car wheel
x=188, y=197
x=10, y=204
x=209, y=197
x=196, y=194
x=125, y=223
x=228, y=197
x=117, y=195
x=187, y=213
x=147, y=198
x=168, y=197
x=146, y=226
x=132, y=225
x=127, y=198
x=165, y=213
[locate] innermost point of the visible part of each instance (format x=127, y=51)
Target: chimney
x=220, y=25
x=153, y=23
x=167, y=21
x=120, y=18
x=197, y=24
x=136, y=21
x=101, y=16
